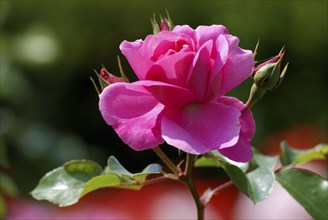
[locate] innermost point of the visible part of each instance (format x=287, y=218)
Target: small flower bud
x=267, y=76
x=164, y=25
x=108, y=77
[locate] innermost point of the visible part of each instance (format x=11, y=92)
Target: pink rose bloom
x=179, y=98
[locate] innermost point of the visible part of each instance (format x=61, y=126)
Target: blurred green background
x=49, y=108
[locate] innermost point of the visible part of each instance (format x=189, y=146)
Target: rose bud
x=267, y=76
x=108, y=77
x=164, y=25
x=270, y=74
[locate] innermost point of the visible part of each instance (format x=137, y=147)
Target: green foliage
x=256, y=184
x=215, y=159
x=206, y=162
x=65, y=185
x=291, y=156
x=114, y=167
x=257, y=180
x=309, y=189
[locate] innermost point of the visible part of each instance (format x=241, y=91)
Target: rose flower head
x=179, y=98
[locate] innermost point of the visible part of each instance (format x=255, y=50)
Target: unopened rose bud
x=108, y=77
x=105, y=78
x=272, y=60
x=267, y=76
x=164, y=25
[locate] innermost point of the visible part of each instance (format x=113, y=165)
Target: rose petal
x=222, y=46
x=221, y=58
x=172, y=69
x=139, y=62
x=199, y=79
x=210, y=33
x=134, y=114
x=247, y=121
x=162, y=48
x=240, y=152
x=167, y=94
x=186, y=29
x=238, y=67
x=156, y=45
x=199, y=128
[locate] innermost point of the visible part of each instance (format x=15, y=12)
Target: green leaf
x=67, y=184
x=291, y=156
x=239, y=178
x=82, y=170
x=260, y=160
x=150, y=169
x=258, y=183
x=215, y=159
x=309, y=189
x=64, y=185
x=261, y=183
x=115, y=167
x=107, y=180
x=206, y=162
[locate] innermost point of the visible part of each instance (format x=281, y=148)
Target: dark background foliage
x=49, y=108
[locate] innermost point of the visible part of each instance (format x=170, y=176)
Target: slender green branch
x=154, y=180
x=189, y=164
x=167, y=161
x=190, y=184
x=200, y=206
x=146, y=182
x=185, y=178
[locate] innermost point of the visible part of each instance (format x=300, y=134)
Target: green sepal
x=154, y=25
x=169, y=20
x=123, y=76
x=282, y=75
x=256, y=48
x=256, y=93
x=102, y=83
